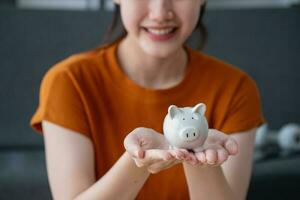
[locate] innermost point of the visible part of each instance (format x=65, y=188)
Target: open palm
x=217, y=148
x=150, y=149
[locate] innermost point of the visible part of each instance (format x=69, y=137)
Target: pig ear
x=172, y=111
x=199, y=108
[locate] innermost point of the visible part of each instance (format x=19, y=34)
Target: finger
x=138, y=153
x=231, y=146
x=192, y=159
x=185, y=152
x=211, y=156
x=179, y=154
x=222, y=156
x=201, y=157
x=156, y=155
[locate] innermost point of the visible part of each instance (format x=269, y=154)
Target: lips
x=161, y=33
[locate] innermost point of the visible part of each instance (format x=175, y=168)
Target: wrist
x=198, y=167
x=204, y=171
x=190, y=166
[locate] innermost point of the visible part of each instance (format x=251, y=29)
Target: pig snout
x=189, y=134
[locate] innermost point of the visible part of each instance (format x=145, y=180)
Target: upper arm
x=237, y=169
x=69, y=159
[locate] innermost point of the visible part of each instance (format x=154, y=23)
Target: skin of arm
x=228, y=181
x=70, y=168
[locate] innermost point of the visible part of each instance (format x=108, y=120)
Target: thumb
x=139, y=153
x=132, y=144
x=231, y=146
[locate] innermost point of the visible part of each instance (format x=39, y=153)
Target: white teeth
x=160, y=31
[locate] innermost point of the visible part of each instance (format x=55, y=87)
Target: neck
x=149, y=71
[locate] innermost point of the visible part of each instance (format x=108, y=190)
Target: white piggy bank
x=186, y=127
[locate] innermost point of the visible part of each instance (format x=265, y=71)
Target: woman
x=93, y=103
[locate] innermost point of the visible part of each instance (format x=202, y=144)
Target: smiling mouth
x=160, y=31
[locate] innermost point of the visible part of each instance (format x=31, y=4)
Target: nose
x=189, y=134
x=161, y=10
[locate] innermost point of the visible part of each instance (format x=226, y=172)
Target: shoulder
x=81, y=65
x=214, y=64
x=80, y=61
x=217, y=70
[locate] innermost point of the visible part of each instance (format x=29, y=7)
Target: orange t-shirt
x=90, y=94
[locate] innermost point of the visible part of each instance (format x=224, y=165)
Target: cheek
x=131, y=17
x=189, y=16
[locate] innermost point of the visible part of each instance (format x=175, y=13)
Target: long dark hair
x=117, y=31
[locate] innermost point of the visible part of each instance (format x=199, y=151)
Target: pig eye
x=192, y=117
x=183, y=118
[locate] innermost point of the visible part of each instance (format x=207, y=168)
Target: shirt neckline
x=123, y=82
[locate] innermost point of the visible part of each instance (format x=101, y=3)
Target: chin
x=159, y=50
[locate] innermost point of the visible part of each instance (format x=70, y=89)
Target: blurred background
x=262, y=37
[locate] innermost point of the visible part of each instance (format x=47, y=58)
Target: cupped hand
x=150, y=149
x=216, y=150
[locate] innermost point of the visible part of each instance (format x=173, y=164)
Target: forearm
x=207, y=183
x=123, y=180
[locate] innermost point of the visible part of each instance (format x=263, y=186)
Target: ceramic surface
x=186, y=127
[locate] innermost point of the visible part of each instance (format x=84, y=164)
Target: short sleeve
x=60, y=103
x=245, y=111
